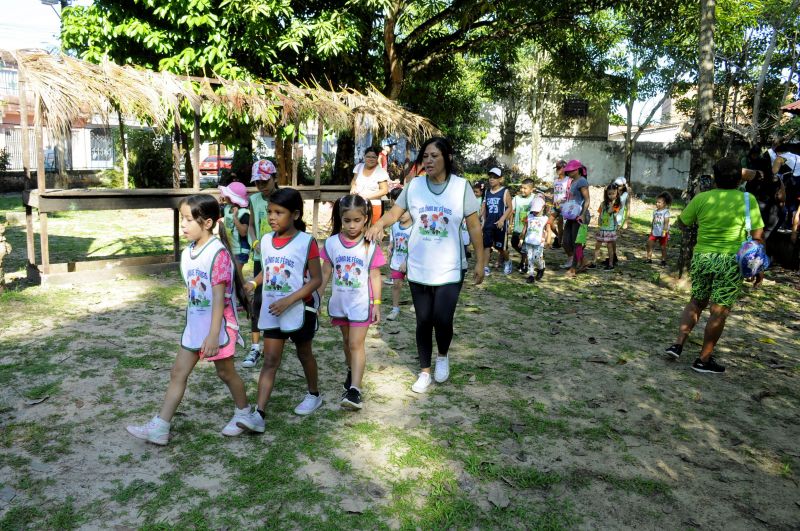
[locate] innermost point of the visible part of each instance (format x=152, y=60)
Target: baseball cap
x=620, y=181
x=263, y=170
x=496, y=172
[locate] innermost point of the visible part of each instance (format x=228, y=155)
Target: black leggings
x=256, y=309
x=435, y=307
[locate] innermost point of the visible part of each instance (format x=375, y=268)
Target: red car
x=210, y=164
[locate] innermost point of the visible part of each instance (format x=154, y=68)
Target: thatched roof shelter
x=71, y=88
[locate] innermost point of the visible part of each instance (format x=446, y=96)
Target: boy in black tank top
x=495, y=212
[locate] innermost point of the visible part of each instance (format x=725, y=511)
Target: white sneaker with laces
x=252, y=357
x=156, y=431
x=232, y=429
x=487, y=271
x=309, y=405
x=507, y=268
x=393, y=314
x=252, y=422
x=567, y=264
x=422, y=383
x=442, y=371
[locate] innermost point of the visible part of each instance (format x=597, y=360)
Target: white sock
x=397, y=308
x=244, y=411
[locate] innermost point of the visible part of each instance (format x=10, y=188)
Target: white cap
x=496, y=171
x=537, y=204
x=620, y=181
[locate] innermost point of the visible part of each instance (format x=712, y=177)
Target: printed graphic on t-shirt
x=199, y=284
x=401, y=244
x=348, y=271
x=277, y=272
x=433, y=221
x=659, y=219
x=493, y=205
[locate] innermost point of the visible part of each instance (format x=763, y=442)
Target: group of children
x=537, y=222
x=288, y=281
x=287, y=290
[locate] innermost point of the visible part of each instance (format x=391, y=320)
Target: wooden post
x=124, y=146
x=317, y=176
x=40, y=179
x=176, y=240
x=295, y=150
x=196, y=152
x=26, y=166
x=176, y=152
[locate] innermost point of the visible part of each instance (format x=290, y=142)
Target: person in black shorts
x=495, y=212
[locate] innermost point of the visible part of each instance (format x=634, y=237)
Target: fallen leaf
x=553, y=331
x=393, y=332
x=593, y=340
x=498, y=497
x=597, y=359
x=34, y=401
x=517, y=427
x=382, y=368
x=353, y=506
x=767, y=340
x=761, y=395
x=509, y=482
x=471, y=378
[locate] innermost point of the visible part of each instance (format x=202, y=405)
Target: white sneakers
x=442, y=371
x=309, y=405
x=508, y=267
x=232, y=429
x=393, y=314
x=487, y=271
x=422, y=383
x=156, y=431
x=252, y=422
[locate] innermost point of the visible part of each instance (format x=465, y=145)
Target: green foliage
x=5, y=160
x=149, y=159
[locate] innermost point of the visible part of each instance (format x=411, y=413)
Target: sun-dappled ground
x=561, y=412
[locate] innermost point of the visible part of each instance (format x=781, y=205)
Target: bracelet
x=376, y=301
x=254, y=283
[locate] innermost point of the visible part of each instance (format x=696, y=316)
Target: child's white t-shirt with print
x=660, y=218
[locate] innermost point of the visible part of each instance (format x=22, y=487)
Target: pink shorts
x=343, y=321
x=396, y=275
x=228, y=350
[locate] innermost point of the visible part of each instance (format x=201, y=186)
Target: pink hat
x=573, y=165
x=263, y=170
x=236, y=192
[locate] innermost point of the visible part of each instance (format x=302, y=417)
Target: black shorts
x=494, y=237
x=515, y=241
x=302, y=335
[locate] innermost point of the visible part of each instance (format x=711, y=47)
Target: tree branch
x=452, y=9
x=647, y=120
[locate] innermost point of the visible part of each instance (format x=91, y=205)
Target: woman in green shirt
x=716, y=280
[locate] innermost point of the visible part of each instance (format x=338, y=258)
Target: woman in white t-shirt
x=370, y=181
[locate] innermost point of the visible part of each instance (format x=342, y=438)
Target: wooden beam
x=44, y=243
x=317, y=177
x=26, y=166
x=30, y=244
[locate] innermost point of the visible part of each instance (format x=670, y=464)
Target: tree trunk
x=700, y=163
x=392, y=62
x=283, y=158
x=345, y=153
x=124, y=148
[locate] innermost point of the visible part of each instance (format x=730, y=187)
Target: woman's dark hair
x=443, y=145
x=727, y=173
x=372, y=149
x=350, y=202
x=395, y=193
x=291, y=200
x=203, y=207
x=666, y=196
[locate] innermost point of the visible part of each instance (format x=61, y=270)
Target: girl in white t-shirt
x=370, y=181
x=212, y=328
x=354, y=263
x=659, y=228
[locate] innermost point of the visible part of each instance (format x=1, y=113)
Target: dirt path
x=561, y=412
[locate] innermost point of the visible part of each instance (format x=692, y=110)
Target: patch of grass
x=20, y=517
x=40, y=391
x=46, y=439
x=64, y=516
x=637, y=485
x=523, y=477
x=341, y=465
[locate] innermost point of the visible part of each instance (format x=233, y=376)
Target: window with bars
x=575, y=107
x=102, y=145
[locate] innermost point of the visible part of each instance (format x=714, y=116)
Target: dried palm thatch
x=71, y=89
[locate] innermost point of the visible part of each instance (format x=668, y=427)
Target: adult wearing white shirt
x=370, y=181
x=438, y=204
